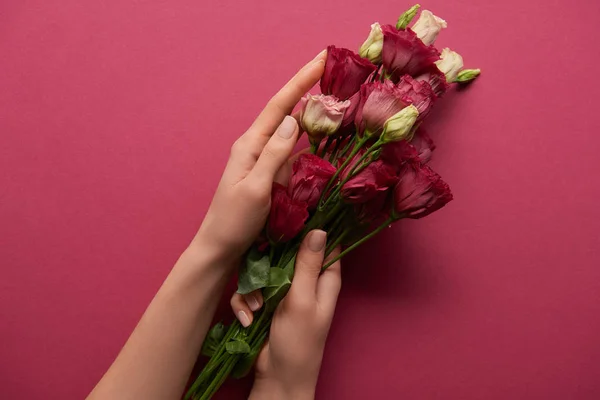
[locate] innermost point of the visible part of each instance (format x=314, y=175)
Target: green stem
x=354, y=151
x=335, y=243
x=332, y=157
x=328, y=143
x=358, y=243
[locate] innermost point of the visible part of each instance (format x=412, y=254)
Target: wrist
x=270, y=389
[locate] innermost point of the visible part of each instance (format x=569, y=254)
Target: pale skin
x=157, y=359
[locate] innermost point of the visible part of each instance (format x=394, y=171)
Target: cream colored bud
x=399, y=126
x=450, y=64
x=428, y=27
x=371, y=48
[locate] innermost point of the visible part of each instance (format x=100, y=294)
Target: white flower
x=399, y=126
x=450, y=64
x=428, y=26
x=371, y=48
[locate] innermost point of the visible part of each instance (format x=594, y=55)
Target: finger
x=241, y=309
x=254, y=300
x=308, y=265
x=276, y=152
x=283, y=102
x=330, y=283
x=283, y=175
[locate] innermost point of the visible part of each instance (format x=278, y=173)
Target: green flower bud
x=407, y=17
x=467, y=75
x=399, y=126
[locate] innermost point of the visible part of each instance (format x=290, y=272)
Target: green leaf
x=237, y=347
x=244, y=365
x=278, y=277
x=255, y=273
x=273, y=295
x=214, y=337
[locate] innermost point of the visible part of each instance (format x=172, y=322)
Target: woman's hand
x=241, y=203
x=288, y=366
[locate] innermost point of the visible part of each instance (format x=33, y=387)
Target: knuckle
x=238, y=147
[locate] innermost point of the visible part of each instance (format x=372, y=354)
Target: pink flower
x=420, y=94
x=377, y=177
x=287, y=216
x=419, y=192
x=344, y=72
x=404, y=53
x=321, y=115
x=378, y=102
x=310, y=175
x=424, y=145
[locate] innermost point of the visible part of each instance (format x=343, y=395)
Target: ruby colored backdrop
x=116, y=118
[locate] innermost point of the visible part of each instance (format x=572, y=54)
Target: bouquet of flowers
x=367, y=168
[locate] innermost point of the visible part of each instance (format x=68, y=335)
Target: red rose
x=310, y=175
x=377, y=177
x=435, y=78
x=287, y=216
x=419, y=192
x=344, y=72
x=378, y=102
x=404, y=53
x=423, y=145
x=420, y=93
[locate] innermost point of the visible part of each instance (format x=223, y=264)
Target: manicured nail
x=317, y=240
x=244, y=320
x=253, y=303
x=287, y=128
x=319, y=56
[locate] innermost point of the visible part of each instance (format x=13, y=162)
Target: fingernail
x=320, y=55
x=317, y=240
x=287, y=127
x=244, y=320
x=253, y=303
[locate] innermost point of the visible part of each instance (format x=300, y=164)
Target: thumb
x=308, y=263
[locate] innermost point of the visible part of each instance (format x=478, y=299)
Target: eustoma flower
x=404, y=53
x=344, y=72
x=310, y=175
x=428, y=26
x=420, y=93
x=424, y=145
x=287, y=216
x=378, y=102
x=419, y=192
x=321, y=115
x=450, y=64
x=371, y=48
x=377, y=177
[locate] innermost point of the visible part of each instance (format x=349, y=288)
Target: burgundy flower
x=377, y=177
x=435, y=78
x=344, y=72
x=404, y=53
x=424, y=145
x=396, y=154
x=420, y=94
x=310, y=175
x=287, y=216
x=378, y=102
x=419, y=192
x=374, y=211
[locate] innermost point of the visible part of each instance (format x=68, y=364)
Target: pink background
x=116, y=118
